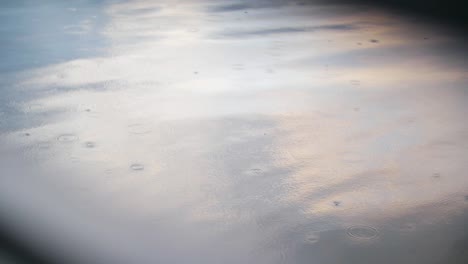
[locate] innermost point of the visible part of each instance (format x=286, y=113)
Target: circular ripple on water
x=139, y=129
x=67, y=138
x=43, y=145
x=363, y=232
x=312, y=238
x=407, y=227
x=90, y=144
x=137, y=167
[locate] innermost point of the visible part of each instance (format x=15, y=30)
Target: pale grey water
x=232, y=132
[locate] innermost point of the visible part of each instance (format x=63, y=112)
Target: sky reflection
x=247, y=132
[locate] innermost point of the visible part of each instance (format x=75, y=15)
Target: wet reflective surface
x=232, y=132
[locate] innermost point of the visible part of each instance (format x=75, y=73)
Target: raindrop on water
x=139, y=129
x=256, y=170
x=407, y=227
x=90, y=144
x=67, y=138
x=362, y=232
x=43, y=145
x=137, y=167
x=312, y=239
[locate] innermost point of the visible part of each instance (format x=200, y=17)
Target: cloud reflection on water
x=253, y=146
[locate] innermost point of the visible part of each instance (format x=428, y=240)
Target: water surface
x=232, y=132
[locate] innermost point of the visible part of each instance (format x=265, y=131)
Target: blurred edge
x=13, y=250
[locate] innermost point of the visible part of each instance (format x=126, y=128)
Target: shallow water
x=232, y=132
